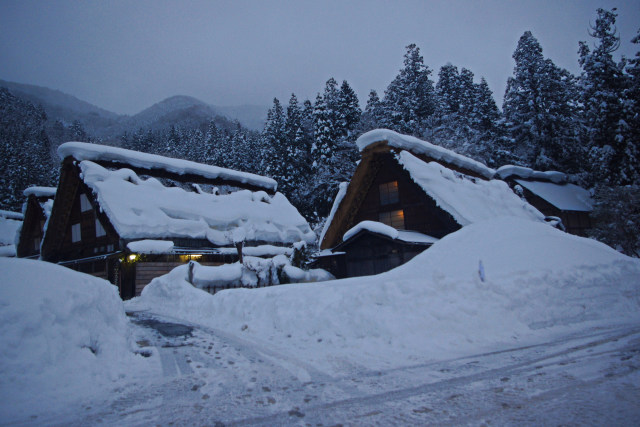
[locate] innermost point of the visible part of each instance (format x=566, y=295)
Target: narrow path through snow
x=207, y=377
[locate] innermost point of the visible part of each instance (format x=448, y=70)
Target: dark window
x=393, y=219
x=389, y=193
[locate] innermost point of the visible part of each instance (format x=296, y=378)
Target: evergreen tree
x=410, y=98
x=447, y=91
x=274, y=139
x=539, y=108
x=24, y=150
x=631, y=112
x=485, y=115
x=348, y=110
x=603, y=84
x=372, y=117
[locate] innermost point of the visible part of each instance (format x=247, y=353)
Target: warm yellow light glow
x=133, y=257
x=195, y=256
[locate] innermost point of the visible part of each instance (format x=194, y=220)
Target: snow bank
x=96, y=152
x=64, y=335
x=8, y=230
x=538, y=282
x=145, y=209
x=467, y=199
x=11, y=215
x=418, y=146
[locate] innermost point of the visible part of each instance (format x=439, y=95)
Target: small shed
x=552, y=194
x=412, y=186
x=37, y=209
x=128, y=216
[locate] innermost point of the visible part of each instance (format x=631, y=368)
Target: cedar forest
x=587, y=126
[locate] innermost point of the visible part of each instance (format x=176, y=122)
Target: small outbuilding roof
x=566, y=197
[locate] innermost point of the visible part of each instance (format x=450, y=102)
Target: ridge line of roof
x=95, y=152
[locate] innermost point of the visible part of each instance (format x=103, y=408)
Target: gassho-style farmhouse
x=129, y=217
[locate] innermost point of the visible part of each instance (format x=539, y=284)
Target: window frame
x=389, y=193
x=76, y=232
x=393, y=219
x=85, y=204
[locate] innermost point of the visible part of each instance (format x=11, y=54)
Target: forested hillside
x=586, y=125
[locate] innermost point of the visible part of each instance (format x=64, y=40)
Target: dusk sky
x=125, y=56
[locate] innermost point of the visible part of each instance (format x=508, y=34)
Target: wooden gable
x=362, y=200
x=77, y=229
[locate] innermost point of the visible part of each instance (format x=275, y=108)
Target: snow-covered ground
x=503, y=322
x=65, y=338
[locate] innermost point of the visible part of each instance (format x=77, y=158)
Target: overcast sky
x=126, y=55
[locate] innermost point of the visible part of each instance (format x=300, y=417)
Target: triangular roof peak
x=379, y=138
x=155, y=164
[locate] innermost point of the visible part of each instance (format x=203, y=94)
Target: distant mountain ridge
x=180, y=110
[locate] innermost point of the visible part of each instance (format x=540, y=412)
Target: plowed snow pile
x=63, y=334
x=492, y=285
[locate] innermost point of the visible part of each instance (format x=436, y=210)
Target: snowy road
x=206, y=377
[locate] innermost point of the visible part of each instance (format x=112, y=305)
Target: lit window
x=85, y=205
x=100, y=229
x=393, y=219
x=75, y=233
x=389, y=193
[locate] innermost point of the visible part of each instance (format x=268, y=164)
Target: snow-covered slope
x=492, y=284
x=63, y=335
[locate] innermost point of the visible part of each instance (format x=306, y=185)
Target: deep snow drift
x=495, y=284
x=64, y=336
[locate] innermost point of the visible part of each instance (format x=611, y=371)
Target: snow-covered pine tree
x=24, y=150
x=603, y=83
x=485, y=115
x=539, y=108
x=631, y=112
x=274, y=140
x=348, y=109
x=409, y=99
x=447, y=91
x=371, y=118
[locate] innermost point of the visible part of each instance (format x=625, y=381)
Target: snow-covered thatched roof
x=40, y=191
x=135, y=159
x=141, y=208
x=467, y=199
x=418, y=146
